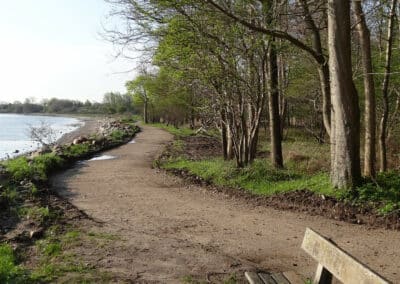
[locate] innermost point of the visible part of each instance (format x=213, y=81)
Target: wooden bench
x=333, y=262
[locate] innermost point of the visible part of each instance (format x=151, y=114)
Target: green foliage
x=41, y=214
x=384, y=192
x=9, y=195
x=178, y=132
x=117, y=135
x=76, y=151
x=45, y=164
x=259, y=178
x=10, y=272
x=21, y=168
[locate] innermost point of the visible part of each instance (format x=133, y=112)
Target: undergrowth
x=259, y=178
x=178, y=132
x=306, y=167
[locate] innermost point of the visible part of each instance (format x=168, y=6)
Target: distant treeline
x=112, y=103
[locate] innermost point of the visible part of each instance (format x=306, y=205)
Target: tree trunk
x=145, y=107
x=224, y=134
x=345, y=123
x=323, y=68
x=385, y=90
x=369, y=92
x=274, y=117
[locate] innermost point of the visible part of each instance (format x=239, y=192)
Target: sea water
x=15, y=131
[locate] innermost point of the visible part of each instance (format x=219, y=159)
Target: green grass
x=258, y=178
x=177, y=132
x=10, y=272
x=39, y=167
x=384, y=192
x=262, y=179
x=76, y=151
x=117, y=136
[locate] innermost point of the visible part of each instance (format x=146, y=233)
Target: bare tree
x=345, y=134
x=385, y=89
x=43, y=134
x=369, y=90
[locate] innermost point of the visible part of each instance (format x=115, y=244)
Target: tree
x=385, y=89
x=345, y=129
x=369, y=91
x=137, y=88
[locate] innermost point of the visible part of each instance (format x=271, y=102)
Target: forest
x=258, y=70
x=113, y=103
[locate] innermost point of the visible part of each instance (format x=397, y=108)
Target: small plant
x=10, y=272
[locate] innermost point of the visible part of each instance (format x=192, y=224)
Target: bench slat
x=293, y=277
x=253, y=278
x=279, y=278
x=342, y=265
x=266, y=278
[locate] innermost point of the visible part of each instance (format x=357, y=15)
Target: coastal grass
x=37, y=168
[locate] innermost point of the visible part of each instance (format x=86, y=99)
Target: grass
x=76, y=151
x=10, y=271
x=258, y=178
x=22, y=168
x=177, y=132
x=117, y=136
x=306, y=167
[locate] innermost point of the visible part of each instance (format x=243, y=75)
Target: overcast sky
x=52, y=48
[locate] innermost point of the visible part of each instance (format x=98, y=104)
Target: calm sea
x=14, y=131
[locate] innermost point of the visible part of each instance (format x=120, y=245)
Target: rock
x=37, y=233
x=16, y=151
x=79, y=140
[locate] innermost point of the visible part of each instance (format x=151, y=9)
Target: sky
x=54, y=48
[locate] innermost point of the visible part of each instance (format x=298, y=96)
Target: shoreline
x=90, y=126
x=85, y=126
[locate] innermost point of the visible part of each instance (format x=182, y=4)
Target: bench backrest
x=334, y=261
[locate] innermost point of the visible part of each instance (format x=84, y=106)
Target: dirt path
x=171, y=230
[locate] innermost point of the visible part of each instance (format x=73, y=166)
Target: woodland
x=328, y=69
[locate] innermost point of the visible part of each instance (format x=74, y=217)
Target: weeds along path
x=171, y=231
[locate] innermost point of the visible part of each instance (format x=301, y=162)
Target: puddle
x=132, y=141
x=102, y=158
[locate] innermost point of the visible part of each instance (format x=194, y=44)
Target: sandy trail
x=171, y=230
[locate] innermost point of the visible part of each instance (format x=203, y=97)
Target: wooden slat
x=279, y=278
x=253, y=278
x=266, y=278
x=322, y=275
x=293, y=277
x=342, y=265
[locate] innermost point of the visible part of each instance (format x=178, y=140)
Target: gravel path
x=171, y=230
